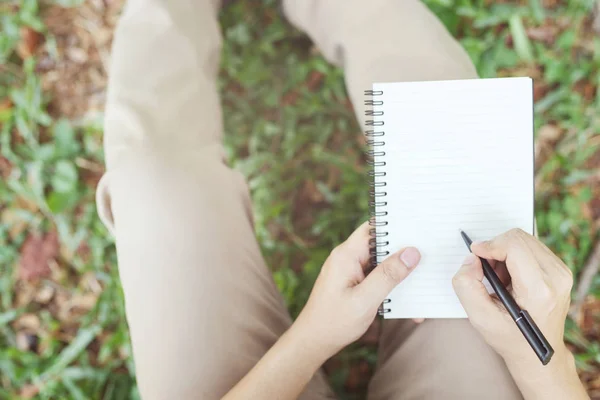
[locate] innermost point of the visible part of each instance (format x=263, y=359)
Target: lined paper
x=459, y=155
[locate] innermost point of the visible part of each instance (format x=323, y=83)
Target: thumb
x=387, y=275
x=469, y=287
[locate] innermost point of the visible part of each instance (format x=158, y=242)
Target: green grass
x=304, y=165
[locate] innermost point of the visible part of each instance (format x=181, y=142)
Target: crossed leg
x=201, y=305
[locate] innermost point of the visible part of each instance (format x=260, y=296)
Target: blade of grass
x=520, y=39
x=537, y=10
x=70, y=353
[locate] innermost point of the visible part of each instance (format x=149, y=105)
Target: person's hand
x=541, y=284
x=344, y=302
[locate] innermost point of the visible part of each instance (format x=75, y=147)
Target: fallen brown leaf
x=29, y=322
x=586, y=89
x=290, y=98
x=315, y=79
x=45, y=294
x=550, y=3
x=590, y=317
x=5, y=168
x=29, y=391
x=36, y=254
x=9, y=217
x=311, y=192
x=77, y=55
x=545, y=33
x=30, y=41
x=594, y=205
x=548, y=135
x=5, y=104
x=24, y=293
x=540, y=91
x=83, y=301
x=27, y=341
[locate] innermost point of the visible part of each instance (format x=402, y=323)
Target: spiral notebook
x=446, y=155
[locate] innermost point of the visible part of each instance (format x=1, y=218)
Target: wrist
x=556, y=380
x=310, y=344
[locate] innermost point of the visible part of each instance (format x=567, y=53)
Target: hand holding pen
x=541, y=284
x=531, y=332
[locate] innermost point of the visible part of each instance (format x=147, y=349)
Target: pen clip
x=535, y=338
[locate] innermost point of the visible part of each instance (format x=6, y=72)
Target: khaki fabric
x=201, y=304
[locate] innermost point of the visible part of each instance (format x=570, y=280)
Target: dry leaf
x=28, y=391
x=586, y=89
x=27, y=341
x=547, y=137
x=539, y=91
x=45, y=294
x=16, y=225
x=311, y=192
x=546, y=33
x=590, y=311
x=595, y=207
x=36, y=255
x=549, y=133
x=5, y=168
x=596, y=13
x=28, y=322
x=290, y=98
x=77, y=55
x=83, y=301
x=550, y=3
x=5, y=104
x=315, y=79
x=89, y=281
x=30, y=41
x=25, y=293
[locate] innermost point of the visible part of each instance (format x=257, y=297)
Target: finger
x=500, y=269
x=512, y=248
x=387, y=275
x=469, y=287
x=357, y=244
x=418, y=320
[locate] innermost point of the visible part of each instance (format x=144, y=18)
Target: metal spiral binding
x=375, y=140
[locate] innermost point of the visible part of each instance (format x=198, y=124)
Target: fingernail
x=470, y=259
x=410, y=257
x=478, y=243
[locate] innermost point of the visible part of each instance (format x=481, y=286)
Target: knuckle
x=514, y=235
x=546, y=294
x=569, y=276
x=566, y=283
x=517, y=232
x=515, y=238
x=459, y=281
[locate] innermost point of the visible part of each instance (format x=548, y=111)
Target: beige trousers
x=201, y=304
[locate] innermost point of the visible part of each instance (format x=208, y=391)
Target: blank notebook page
x=458, y=155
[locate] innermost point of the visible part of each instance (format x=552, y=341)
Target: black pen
x=530, y=330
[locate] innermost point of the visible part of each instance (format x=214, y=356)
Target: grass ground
x=62, y=325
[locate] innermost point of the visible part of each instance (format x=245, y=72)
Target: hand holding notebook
x=449, y=155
